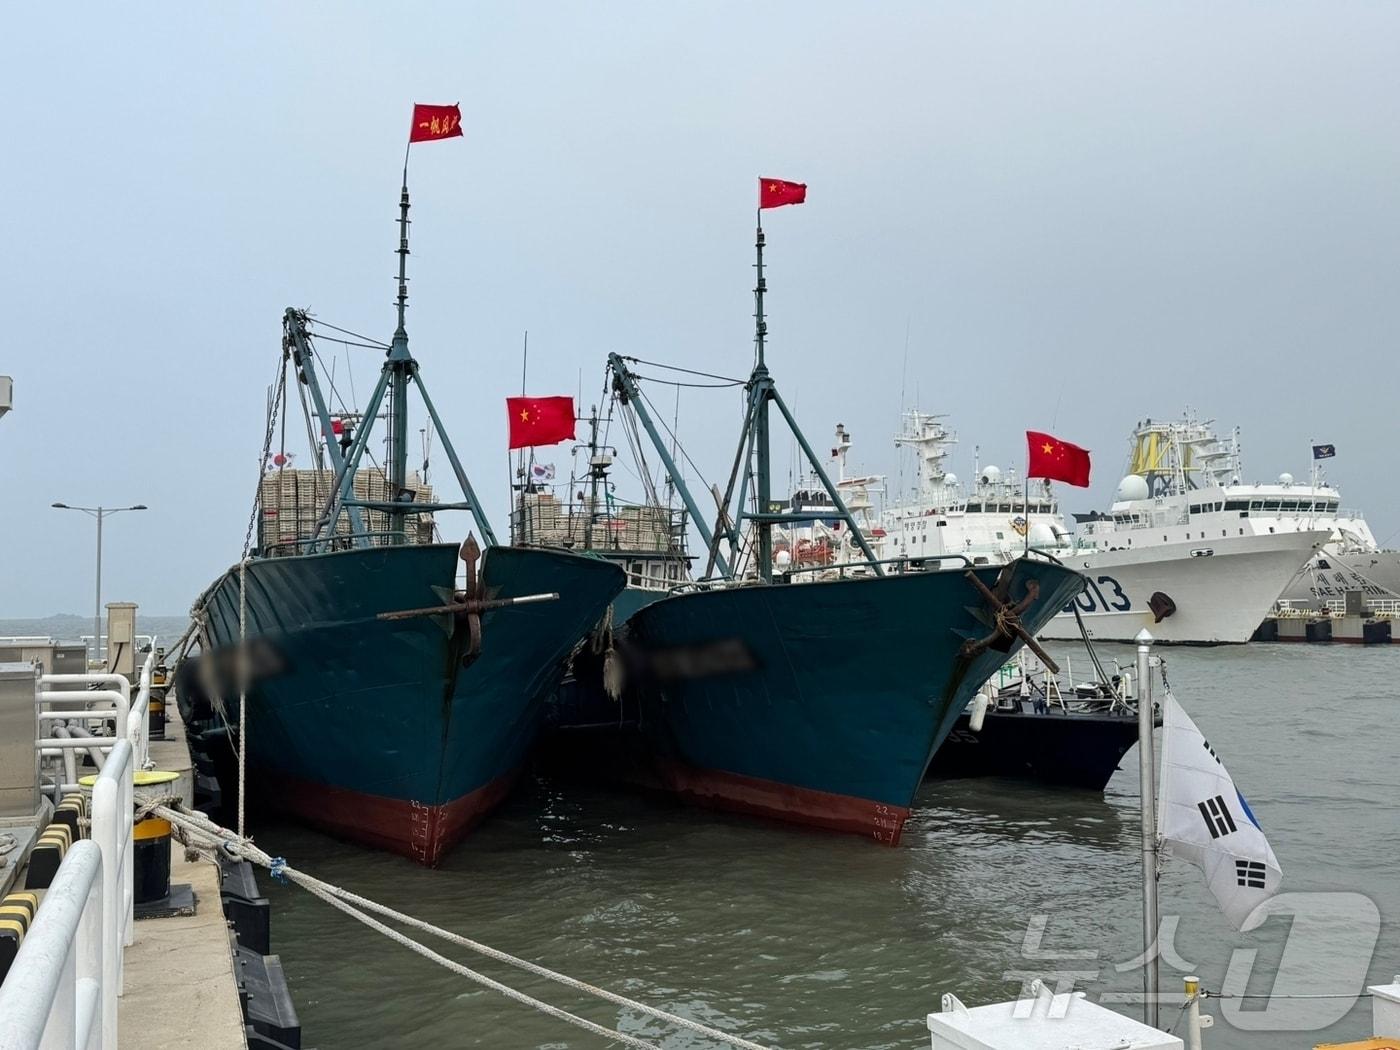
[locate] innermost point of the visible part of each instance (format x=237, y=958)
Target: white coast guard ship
x=1183, y=465
x=1150, y=562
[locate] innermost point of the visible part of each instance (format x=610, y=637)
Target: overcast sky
x=1080, y=214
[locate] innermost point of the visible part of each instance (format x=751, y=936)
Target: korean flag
x=1203, y=818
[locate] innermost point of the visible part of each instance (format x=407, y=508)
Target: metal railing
x=112, y=822
x=343, y=541
x=1335, y=607
x=55, y=994
x=62, y=988
x=91, y=701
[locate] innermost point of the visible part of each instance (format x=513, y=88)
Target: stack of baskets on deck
x=541, y=519
x=291, y=502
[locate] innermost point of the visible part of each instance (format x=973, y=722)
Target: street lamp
x=99, y=513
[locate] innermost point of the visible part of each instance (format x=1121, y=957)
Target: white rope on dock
x=218, y=838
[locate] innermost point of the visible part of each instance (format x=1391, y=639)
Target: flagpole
x=1148, y=790
x=760, y=391
x=520, y=479
x=1026, y=511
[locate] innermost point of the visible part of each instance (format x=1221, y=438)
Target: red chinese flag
x=1057, y=460
x=540, y=420
x=435, y=122
x=774, y=193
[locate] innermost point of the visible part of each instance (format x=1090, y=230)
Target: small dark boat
x=1030, y=730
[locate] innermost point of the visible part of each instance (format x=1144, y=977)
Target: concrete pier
x=179, y=985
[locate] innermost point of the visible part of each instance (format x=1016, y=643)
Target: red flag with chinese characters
x=540, y=420
x=435, y=122
x=1057, y=460
x=774, y=193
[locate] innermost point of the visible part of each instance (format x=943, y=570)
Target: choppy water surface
x=808, y=940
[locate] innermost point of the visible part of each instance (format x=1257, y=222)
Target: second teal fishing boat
x=814, y=695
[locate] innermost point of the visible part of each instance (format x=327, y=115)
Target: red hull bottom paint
x=718, y=789
x=423, y=833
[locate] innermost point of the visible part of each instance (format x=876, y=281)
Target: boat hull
x=1220, y=596
x=380, y=731
x=1067, y=750
x=1328, y=576
x=817, y=703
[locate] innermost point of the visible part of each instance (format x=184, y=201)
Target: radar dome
x=991, y=475
x=1042, y=535
x=1285, y=479
x=1134, y=486
x=950, y=479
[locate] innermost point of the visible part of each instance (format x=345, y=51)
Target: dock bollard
x=152, y=894
x=160, y=686
x=1196, y=1021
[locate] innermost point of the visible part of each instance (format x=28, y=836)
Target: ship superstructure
x=1181, y=587
x=1186, y=484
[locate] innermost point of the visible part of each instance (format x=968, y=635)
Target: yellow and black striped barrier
x=16, y=913
x=72, y=811
x=47, y=855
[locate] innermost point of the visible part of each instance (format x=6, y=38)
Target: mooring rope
x=242, y=686
x=213, y=838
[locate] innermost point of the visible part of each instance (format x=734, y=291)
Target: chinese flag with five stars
x=1057, y=460
x=540, y=420
x=774, y=193
x=435, y=122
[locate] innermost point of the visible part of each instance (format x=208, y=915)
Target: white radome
x=1285, y=479
x=991, y=475
x=1134, y=486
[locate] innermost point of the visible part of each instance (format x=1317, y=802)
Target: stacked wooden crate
x=291, y=502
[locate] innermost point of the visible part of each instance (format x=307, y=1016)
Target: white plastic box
x=1048, y=1022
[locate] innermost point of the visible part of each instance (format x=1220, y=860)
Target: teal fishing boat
x=814, y=695
x=393, y=683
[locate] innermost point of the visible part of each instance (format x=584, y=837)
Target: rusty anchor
x=467, y=605
x=1006, y=619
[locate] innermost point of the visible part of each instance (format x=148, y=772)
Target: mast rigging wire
x=369, y=339
x=688, y=371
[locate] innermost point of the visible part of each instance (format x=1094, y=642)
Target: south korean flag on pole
x=1203, y=818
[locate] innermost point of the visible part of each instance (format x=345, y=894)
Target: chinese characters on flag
x=435, y=122
x=540, y=420
x=774, y=193
x=1057, y=460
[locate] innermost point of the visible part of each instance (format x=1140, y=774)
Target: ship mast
x=595, y=474
x=400, y=366
x=761, y=392
x=753, y=448
x=398, y=371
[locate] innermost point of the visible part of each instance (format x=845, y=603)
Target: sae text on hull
x=822, y=703
x=389, y=732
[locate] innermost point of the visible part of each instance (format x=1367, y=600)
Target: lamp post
x=99, y=513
